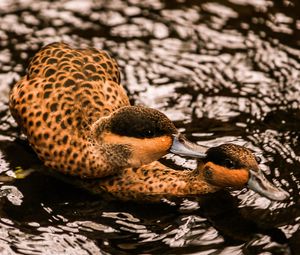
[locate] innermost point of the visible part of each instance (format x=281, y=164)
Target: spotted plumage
x=77, y=116
x=160, y=181
x=78, y=119
x=64, y=92
x=155, y=181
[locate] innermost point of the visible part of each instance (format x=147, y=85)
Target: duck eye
x=149, y=133
x=229, y=163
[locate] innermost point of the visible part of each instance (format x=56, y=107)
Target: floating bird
x=78, y=119
x=227, y=165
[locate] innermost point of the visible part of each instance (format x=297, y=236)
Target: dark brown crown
x=232, y=156
x=141, y=122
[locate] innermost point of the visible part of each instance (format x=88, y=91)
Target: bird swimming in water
x=78, y=119
x=227, y=165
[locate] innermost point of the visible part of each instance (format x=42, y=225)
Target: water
x=223, y=71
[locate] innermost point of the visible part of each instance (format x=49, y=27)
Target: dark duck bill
x=184, y=147
x=258, y=183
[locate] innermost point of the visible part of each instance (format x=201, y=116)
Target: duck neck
x=101, y=159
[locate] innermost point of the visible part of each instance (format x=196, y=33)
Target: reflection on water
x=224, y=71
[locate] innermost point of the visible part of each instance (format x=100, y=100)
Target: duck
x=78, y=119
x=224, y=166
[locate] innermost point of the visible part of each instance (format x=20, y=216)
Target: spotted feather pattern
x=63, y=93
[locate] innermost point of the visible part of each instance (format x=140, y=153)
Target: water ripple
x=223, y=71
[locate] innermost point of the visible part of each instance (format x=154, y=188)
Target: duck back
x=64, y=92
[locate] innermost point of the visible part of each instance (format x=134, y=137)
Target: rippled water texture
x=223, y=71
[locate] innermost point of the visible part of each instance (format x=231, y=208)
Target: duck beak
x=258, y=182
x=184, y=147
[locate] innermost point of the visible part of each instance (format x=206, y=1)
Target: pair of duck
x=79, y=121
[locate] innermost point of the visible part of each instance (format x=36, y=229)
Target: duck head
x=230, y=165
x=143, y=134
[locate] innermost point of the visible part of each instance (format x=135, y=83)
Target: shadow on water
x=223, y=71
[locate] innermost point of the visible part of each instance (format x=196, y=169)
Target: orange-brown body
x=155, y=181
x=65, y=105
x=63, y=94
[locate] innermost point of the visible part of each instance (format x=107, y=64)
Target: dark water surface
x=223, y=71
